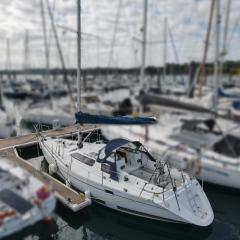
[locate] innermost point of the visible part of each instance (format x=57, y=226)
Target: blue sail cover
x=221, y=93
x=119, y=120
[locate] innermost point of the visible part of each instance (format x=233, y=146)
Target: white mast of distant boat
x=165, y=50
x=46, y=48
x=225, y=38
x=79, y=67
x=144, y=45
x=217, y=44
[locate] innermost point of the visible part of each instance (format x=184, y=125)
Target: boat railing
x=123, y=175
x=191, y=163
x=161, y=166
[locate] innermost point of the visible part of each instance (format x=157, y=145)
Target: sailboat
x=24, y=200
x=122, y=174
x=7, y=123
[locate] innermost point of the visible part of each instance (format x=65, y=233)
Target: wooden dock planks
x=32, y=137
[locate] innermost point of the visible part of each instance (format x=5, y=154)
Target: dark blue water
x=98, y=222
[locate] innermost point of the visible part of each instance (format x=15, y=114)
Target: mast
x=115, y=33
x=60, y=53
x=202, y=75
x=164, y=49
x=8, y=65
x=26, y=64
x=26, y=60
x=144, y=44
x=225, y=36
x=217, y=44
x=175, y=51
x=47, y=74
x=79, y=67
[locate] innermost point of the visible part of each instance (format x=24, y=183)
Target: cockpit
x=123, y=155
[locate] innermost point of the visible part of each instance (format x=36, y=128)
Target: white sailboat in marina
x=6, y=122
x=24, y=200
x=123, y=175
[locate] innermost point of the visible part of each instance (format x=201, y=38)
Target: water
x=97, y=222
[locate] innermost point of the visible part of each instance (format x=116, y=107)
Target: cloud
x=187, y=19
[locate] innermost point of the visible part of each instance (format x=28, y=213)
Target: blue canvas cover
x=115, y=144
x=221, y=93
x=119, y=120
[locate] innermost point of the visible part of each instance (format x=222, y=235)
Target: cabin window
x=83, y=159
x=108, y=191
x=106, y=168
x=228, y=146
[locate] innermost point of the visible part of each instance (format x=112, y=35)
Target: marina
x=120, y=119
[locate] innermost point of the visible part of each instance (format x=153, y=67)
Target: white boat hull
x=219, y=176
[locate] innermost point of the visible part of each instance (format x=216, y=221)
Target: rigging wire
x=116, y=25
x=175, y=51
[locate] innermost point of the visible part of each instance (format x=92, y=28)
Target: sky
x=111, y=32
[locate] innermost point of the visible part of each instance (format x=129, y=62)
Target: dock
x=72, y=199
x=32, y=137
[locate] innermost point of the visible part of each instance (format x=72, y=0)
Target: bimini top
x=113, y=145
